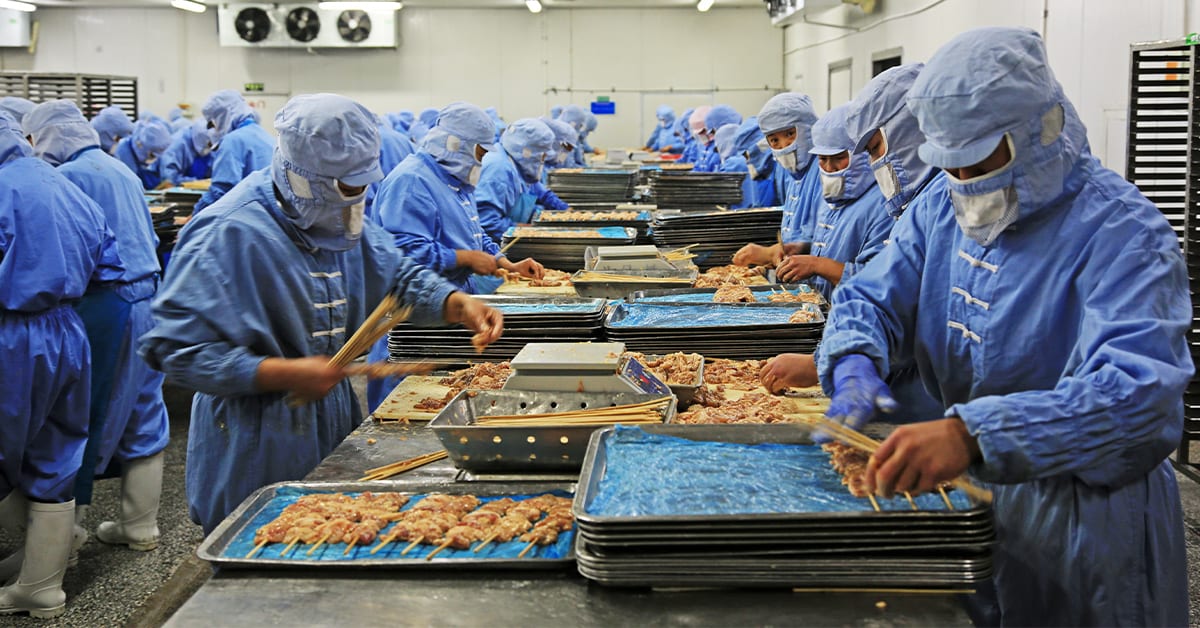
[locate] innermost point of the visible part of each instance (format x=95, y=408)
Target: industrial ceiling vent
x=305, y=26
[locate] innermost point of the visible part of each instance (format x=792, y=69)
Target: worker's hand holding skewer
x=757, y=254
x=309, y=378
x=527, y=267
x=486, y=322
x=917, y=458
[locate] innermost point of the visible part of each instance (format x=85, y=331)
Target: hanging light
x=534, y=6
x=704, y=5
x=18, y=6
x=189, y=5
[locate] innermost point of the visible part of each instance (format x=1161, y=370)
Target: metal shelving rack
x=92, y=92
x=1163, y=160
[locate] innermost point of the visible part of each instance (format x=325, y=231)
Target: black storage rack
x=92, y=92
x=1163, y=160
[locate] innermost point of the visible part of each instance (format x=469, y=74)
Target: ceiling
x=549, y=5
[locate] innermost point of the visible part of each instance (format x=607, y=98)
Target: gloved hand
x=858, y=393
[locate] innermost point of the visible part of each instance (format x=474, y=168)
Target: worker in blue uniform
x=394, y=147
x=401, y=121
x=681, y=136
x=242, y=145
x=565, y=138
x=575, y=116
x=112, y=124
x=46, y=360
x=16, y=107
x=189, y=157
x=1045, y=301
x=496, y=120
x=132, y=429
x=588, y=126
x=426, y=120
x=786, y=120
x=699, y=134
x=759, y=188
x=177, y=121
x=717, y=117
x=733, y=162
x=248, y=340
x=141, y=150
x=505, y=194
x=663, y=135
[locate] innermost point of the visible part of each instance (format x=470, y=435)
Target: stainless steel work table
x=298, y=597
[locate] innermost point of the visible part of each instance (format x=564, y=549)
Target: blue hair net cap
x=789, y=109
x=467, y=122
x=720, y=116
x=12, y=141
x=592, y=122
x=575, y=116
x=879, y=101
x=664, y=111
x=556, y=111
x=330, y=136
x=528, y=133
x=724, y=139
x=59, y=130
x=16, y=107
x=563, y=132
x=201, y=136
x=113, y=120
x=174, y=114
x=829, y=133
x=224, y=109
x=965, y=114
x=748, y=134
x=149, y=138
x=429, y=116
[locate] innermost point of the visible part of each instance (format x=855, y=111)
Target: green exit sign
x=253, y=87
x=1192, y=39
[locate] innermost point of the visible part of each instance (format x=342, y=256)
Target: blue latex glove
x=858, y=393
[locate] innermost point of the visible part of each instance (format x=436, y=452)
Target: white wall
x=519, y=62
x=1087, y=40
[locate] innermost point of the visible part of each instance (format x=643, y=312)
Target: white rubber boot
x=14, y=511
x=141, y=487
x=38, y=589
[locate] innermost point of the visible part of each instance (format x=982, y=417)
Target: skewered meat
x=751, y=408
x=585, y=216
x=795, y=297
x=803, y=316
x=733, y=294
x=730, y=276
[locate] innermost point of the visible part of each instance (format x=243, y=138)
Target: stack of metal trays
x=801, y=293
x=738, y=331
x=678, y=189
x=232, y=543
x=488, y=448
x=719, y=234
x=165, y=227
x=526, y=319
x=575, y=185
x=562, y=248
x=606, y=285
x=599, y=215
x=751, y=506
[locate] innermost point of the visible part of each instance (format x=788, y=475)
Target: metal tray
x=619, y=289
x=214, y=547
x=490, y=448
x=703, y=296
x=621, y=311
x=594, y=466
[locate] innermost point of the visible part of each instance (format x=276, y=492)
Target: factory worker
x=505, y=196
x=141, y=150
x=177, y=121
x=1046, y=303
x=699, y=135
x=556, y=111
x=248, y=340
x=46, y=362
x=189, y=157
x=393, y=149
x=663, y=135
x=425, y=121
x=682, y=139
x=716, y=118
x=852, y=224
x=786, y=120
x=589, y=126
x=16, y=107
x=575, y=116
x=563, y=150
x=131, y=427
x=401, y=121
x=427, y=204
x=732, y=161
x=112, y=124
x=496, y=120
x=242, y=145
x=759, y=188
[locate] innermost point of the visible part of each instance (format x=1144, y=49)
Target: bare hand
x=308, y=378
x=527, y=267
x=487, y=322
x=917, y=458
x=788, y=370
x=479, y=262
x=757, y=254
x=798, y=267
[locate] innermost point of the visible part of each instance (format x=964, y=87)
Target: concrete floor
x=118, y=587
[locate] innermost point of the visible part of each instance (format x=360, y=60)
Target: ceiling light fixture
x=704, y=5
x=534, y=6
x=18, y=6
x=189, y=5
x=360, y=6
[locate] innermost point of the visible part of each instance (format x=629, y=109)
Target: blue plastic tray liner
x=332, y=552
x=655, y=475
x=639, y=315
x=544, y=308
x=605, y=232
x=759, y=295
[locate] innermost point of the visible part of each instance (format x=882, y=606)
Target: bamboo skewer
x=592, y=275
x=874, y=503
x=349, y=547
x=506, y=247
x=319, y=544
x=486, y=542
x=289, y=547
x=438, y=549
x=254, y=551
x=946, y=498
x=396, y=468
x=526, y=550
x=412, y=545
x=380, y=370
x=645, y=412
x=383, y=542
x=912, y=503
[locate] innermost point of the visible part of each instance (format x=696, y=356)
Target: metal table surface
x=236, y=597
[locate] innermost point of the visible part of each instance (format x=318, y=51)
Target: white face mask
x=832, y=185
x=473, y=176
x=786, y=159
x=986, y=205
x=885, y=176
x=753, y=171
x=352, y=217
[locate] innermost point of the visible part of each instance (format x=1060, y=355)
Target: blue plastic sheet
x=655, y=475
x=333, y=552
x=719, y=315
x=544, y=308
x=605, y=232
x=759, y=295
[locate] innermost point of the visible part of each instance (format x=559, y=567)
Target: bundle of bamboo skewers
x=680, y=254
x=854, y=438
x=396, y=468
x=630, y=414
